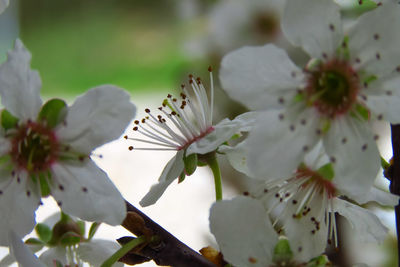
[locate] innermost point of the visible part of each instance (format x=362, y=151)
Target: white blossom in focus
x=41, y=155
x=185, y=125
x=351, y=80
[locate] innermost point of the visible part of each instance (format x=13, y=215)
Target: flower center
x=266, y=24
x=34, y=147
x=333, y=88
x=318, y=180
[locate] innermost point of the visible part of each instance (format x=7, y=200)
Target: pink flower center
x=34, y=147
x=316, y=179
x=332, y=88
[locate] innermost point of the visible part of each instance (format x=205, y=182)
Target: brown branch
x=167, y=250
x=394, y=176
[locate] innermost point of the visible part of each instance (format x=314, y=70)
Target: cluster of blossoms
x=45, y=150
x=310, y=150
x=313, y=142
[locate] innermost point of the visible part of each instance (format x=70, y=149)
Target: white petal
x=14, y=198
x=384, y=99
x=350, y=145
x=275, y=151
x=5, y=145
x=97, y=251
x=314, y=25
x=87, y=193
x=237, y=157
x=56, y=253
x=19, y=85
x=22, y=253
x=222, y=132
x=97, y=117
x=243, y=231
x=171, y=172
x=3, y=5
x=377, y=32
x=259, y=76
x=306, y=241
x=366, y=225
x=378, y=195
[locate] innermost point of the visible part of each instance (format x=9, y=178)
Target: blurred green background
x=79, y=44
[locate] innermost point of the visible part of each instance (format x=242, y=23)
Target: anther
x=136, y=122
x=281, y=100
x=61, y=187
x=294, y=201
x=245, y=193
x=376, y=137
x=147, y=110
x=378, y=56
x=292, y=128
x=84, y=189
x=376, y=36
x=130, y=148
x=281, y=116
x=135, y=128
x=364, y=147
x=344, y=140
x=28, y=193
x=210, y=69
x=332, y=159
x=331, y=27
x=379, y=117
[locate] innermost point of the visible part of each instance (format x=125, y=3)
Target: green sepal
x=282, y=251
x=320, y=261
x=181, y=177
x=190, y=163
x=44, y=185
x=236, y=136
x=34, y=241
x=81, y=225
x=385, y=165
x=313, y=64
x=53, y=112
x=361, y=111
x=58, y=263
x=8, y=121
x=70, y=239
x=370, y=79
x=298, y=98
x=201, y=163
x=43, y=232
x=327, y=171
x=93, y=229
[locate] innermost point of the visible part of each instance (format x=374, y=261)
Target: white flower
x=234, y=23
x=3, y=5
x=82, y=250
x=185, y=125
x=305, y=204
x=243, y=232
x=42, y=155
x=351, y=80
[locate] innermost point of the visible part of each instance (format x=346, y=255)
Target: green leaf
x=44, y=185
x=43, y=232
x=93, y=229
x=53, y=112
x=70, y=239
x=34, y=241
x=327, y=171
x=282, y=251
x=8, y=121
x=190, y=164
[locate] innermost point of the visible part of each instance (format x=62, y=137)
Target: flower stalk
x=212, y=162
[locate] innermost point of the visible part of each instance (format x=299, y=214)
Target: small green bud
x=8, y=121
x=53, y=112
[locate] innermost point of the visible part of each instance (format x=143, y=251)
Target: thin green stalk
x=213, y=164
x=123, y=250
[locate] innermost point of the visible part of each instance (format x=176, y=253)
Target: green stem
x=123, y=250
x=213, y=164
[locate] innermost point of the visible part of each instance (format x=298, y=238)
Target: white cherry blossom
x=185, y=125
x=351, y=80
x=40, y=159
